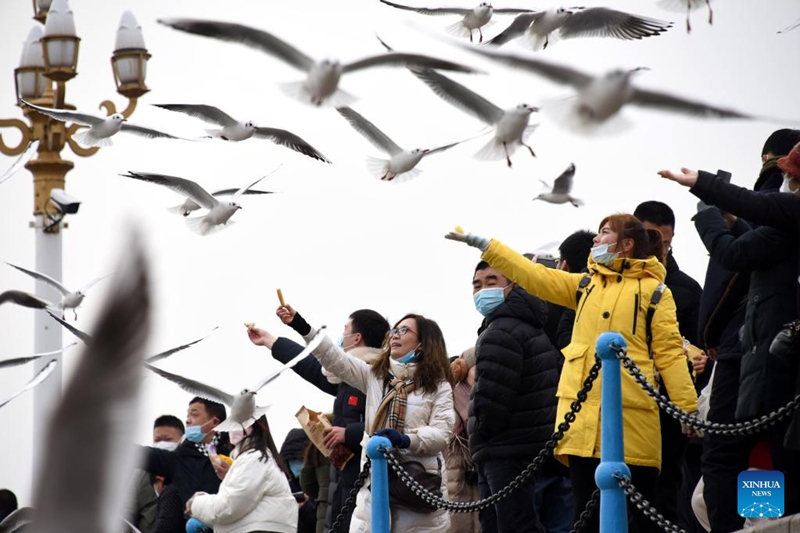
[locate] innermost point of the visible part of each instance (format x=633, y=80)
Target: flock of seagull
x=596, y=100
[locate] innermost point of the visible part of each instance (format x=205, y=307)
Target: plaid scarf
x=391, y=412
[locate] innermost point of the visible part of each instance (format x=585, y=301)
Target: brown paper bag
x=314, y=423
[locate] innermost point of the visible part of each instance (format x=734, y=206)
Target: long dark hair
x=433, y=364
x=260, y=439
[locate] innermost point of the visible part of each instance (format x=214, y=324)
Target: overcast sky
x=335, y=239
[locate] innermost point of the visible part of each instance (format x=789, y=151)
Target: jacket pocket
x=572, y=374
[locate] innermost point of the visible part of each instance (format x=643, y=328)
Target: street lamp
x=49, y=60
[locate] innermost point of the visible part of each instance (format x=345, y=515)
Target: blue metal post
x=380, y=483
x=613, y=509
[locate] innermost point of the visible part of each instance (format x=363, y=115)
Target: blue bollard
x=613, y=507
x=380, y=483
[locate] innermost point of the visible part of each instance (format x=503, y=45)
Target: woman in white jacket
x=415, y=369
x=254, y=496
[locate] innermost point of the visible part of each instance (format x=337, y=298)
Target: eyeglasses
x=402, y=330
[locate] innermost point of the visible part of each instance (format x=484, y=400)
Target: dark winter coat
x=687, y=293
x=513, y=406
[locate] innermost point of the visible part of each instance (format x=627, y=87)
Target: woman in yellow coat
x=624, y=273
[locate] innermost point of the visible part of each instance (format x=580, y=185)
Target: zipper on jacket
x=635, y=312
x=583, y=302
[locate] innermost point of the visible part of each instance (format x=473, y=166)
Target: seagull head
x=250, y=125
x=117, y=117
x=247, y=392
x=525, y=108
x=234, y=204
x=484, y=7
x=420, y=151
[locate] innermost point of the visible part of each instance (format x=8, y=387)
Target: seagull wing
x=369, y=130
x=442, y=148
x=182, y=186
x=667, y=102
x=24, y=299
x=296, y=359
x=563, y=183
x=194, y=387
x=38, y=378
x=86, y=338
x=243, y=190
x=165, y=354
x=43, y=277
x=16, y=520
x=238, y=33
x=95, y=280
x=100, y=400
x=141, y=131
x=791, y=26
x=403, y=59
x=456, y=94
x=552, y=71
x=228, y=192
x=208, y=113
x=66, y=116
x=290, y=140
x=511, y=11
x=604, y=22
x=26, y=156
x=515, y=29
x=430, y=10
x=22, y=360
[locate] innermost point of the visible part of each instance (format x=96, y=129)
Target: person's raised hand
x=686, y=177
x=261, y=337
x=286, y=313
x=476, y=241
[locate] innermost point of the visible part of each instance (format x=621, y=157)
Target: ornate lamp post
x=49, y=60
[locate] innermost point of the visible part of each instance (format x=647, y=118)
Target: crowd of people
x=468, y=426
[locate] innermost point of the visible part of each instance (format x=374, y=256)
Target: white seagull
x=788, y=28
x=219, y=213
x=101, y=129
x=42, y=375
x=472, y=19
x=322, y=82
x=23, y=299
x=5, y=363
x=243, y=405
x=101, y=399
x=240, y=130
x=560, y=193
x=190, y=205
x=511, y=126
x=688, y=6
x=70, y=299
x=401, y=163
x=26, y=156
x=542, y=28
x=601, y=97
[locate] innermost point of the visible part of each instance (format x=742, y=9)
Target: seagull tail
x=493, y=150
x=458, y=29
x=86, y=138
x=178, y=209
x=537, y=42
x=377, y=167
x=299, y=91
x=202, y=227
x=228, y=425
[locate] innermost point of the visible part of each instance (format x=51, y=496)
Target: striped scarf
x=391, y=412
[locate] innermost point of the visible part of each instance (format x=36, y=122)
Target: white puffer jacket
x=429, y=425
x=254, y=495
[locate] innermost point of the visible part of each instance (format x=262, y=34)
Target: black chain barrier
x=530, y=470
x=586, y=514
x=644, y=506
x=738, y=428
x=350, y=502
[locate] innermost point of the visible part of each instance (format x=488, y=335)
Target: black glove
x=397, y=439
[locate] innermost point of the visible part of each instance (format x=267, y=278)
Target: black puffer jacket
x=513, y=406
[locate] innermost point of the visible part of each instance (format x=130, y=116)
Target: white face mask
x=602, y=256
x=166, y=445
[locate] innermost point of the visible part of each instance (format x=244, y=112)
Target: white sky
x=336, y=239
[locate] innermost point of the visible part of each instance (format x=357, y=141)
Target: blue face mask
x=602, y=256
x=410, y=357
x=488, y=300
x=340, y=341
x=296, y=467
x=195, y=434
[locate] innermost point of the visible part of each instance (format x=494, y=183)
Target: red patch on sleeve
x=352, y=400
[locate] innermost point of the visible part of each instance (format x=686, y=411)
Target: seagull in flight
x=688, y=6
x=101, y=129
x=788, y=28
x=70, y=299
x=190, y=205
x=511, y=126
x=219, y=213
x=26, y=156
x=5, y=363
x=239, y=130
x=42, y=375
x=322, y=82
x=601, y=97
x=542, y=28
x=472, y=19
x=401, y=163
x=560, y=193
x=243, y=405
x=24, y=299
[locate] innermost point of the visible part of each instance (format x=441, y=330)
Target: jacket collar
x=402, y=370
x=630, y=268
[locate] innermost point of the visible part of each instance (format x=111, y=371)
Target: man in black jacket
x=513, y=406
x=363, y=337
